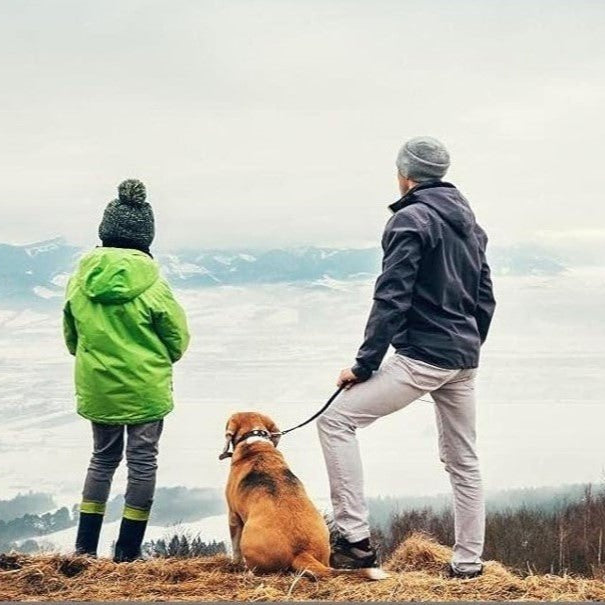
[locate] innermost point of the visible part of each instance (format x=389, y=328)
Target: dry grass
x=416, y=574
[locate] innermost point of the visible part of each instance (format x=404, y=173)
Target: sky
x=277, y=122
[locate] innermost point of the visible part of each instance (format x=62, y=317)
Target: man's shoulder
x=414, y=215
x=481, y=235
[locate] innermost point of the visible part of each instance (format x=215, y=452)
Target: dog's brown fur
x=274, y=525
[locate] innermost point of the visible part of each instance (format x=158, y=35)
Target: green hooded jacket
x=125, y=328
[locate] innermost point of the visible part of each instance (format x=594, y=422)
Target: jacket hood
x=116, y=275
x=446, y=201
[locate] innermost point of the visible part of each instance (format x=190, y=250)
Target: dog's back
x=280, y=521
x=273, y=523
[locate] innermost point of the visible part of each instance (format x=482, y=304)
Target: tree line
x=183, y=547
x=559, y=535
x=568, y=539
x=31, y=526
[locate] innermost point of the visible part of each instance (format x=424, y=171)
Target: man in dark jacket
x=433, y=303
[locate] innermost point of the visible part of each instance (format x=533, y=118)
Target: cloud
x=571, y=235
x=280, y=121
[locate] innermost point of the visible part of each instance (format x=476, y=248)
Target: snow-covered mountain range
x=40, y=271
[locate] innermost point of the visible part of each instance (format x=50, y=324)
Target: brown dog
x=273, y=524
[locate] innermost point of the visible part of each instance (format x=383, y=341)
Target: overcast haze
x=278, y=122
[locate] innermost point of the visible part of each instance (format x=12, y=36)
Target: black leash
x=316, y=415
x=269, y=436
x=264, y=434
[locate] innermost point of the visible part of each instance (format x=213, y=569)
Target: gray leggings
x=141, y=458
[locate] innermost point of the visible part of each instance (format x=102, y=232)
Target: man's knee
x=334, y=421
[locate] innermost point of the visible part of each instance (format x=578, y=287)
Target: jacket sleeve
x=486, y=303
x=402, y=245
x=170, y=323
x=70, y=333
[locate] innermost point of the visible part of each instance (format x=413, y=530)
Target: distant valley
x=39, y=272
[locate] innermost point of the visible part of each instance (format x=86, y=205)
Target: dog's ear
x=230, y=431
x=273, y=429
x=226, y=453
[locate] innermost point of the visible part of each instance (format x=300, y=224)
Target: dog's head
x=245, y=422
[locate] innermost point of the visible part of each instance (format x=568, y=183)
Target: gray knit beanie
x=129, y=218
x=423, y=159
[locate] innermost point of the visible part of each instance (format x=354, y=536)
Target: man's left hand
x=347, y=379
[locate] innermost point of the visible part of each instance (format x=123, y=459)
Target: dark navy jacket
x=433, y=301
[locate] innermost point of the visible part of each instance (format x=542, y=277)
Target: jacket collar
x=410, y=196
x=127, y=244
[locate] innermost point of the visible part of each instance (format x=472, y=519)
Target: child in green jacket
x=126, y=330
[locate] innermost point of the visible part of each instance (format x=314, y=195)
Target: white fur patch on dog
x=255, y=438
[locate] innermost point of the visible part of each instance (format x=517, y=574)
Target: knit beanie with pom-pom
x=128, y=220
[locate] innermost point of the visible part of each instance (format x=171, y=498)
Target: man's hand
x=347, y=379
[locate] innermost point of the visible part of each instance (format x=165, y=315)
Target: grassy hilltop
x=416, y=574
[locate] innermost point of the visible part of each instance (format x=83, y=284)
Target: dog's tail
x=307, y=564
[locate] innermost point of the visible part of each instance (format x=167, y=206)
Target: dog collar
x=256, y=435
x=259, y=433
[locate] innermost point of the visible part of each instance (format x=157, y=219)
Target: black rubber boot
x=89, y=528
x=128, y=546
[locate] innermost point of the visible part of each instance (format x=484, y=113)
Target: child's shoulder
x=160, y=289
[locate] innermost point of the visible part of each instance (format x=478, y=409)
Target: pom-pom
x=133, y=192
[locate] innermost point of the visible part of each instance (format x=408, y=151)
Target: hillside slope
x=416, y=574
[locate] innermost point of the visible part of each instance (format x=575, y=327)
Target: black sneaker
x=353, y=555
x=452, y=572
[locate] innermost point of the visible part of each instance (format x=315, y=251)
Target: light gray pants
x=141, y=458
x=400, y=381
